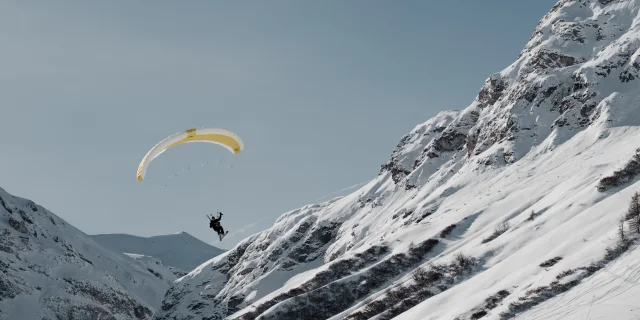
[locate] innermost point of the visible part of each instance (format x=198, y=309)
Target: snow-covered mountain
x=156, y=267
x=509, y=207
x=51, y=270
x=180, y=250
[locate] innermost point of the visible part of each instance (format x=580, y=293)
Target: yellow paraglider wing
x=222, y=137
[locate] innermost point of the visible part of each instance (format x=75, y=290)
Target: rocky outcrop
x=410, y=151
x=51, y=270
x=623, y=176
x=461, y=186
x=116, y=302
x=491, y=91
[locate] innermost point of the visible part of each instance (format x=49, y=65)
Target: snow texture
x=156, y=267
x=491, y=212
x=180, y=250
x=506, y=209
x=51, y=270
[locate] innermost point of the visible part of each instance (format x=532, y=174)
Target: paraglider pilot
x=215, y=224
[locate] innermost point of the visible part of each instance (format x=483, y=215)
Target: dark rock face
x=620, y=177
x=545, y=59
x=562, y=83
x=630, y=73
x=38, y=251
x=414, y=147
x=309, y=250
x=491, y=91
x=393, y=166
x=200, y=307
x=336, y=271
x=449, y=141
x=324, y=296
x=397, y=173
x=427, y=283
x=20, y=226
x=179, y=273
x=115, y=302
x=8, y=290
x=283, y=250
x=68, y=309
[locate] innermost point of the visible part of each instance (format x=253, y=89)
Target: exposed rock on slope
x=51, y=270
x=515, y=173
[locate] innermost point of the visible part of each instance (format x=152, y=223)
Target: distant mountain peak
x=51, y=270
x=180, y=250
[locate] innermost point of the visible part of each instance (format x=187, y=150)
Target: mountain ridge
x=180, y=250
x=52, y=270
x=474, y=208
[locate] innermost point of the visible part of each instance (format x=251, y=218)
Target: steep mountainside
x=180, y=250
x=489, y=212
x=51, y=270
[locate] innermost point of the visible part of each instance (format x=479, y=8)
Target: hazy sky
x=320, y=92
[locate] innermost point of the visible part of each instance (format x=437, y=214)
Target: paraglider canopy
x=218, y=136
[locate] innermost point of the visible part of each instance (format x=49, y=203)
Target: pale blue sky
x=320, y=91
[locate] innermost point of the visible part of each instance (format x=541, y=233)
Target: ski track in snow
x=612, y=290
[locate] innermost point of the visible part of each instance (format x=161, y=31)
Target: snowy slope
x=180, y=250
x=485, y=213
x=611, y=293
x=51, y=270
x=157, y=268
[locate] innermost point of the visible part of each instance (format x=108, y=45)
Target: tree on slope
x=634, y=212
